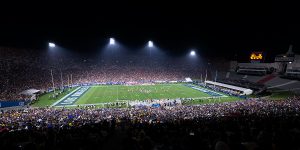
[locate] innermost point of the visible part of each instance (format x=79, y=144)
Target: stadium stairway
x=266, y=79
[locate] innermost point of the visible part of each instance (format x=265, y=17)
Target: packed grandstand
x=218, y=109
x=22, y=69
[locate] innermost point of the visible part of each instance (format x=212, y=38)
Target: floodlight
x=150, y=44
x=111, y=41
x=193, y=53
x=51, y=45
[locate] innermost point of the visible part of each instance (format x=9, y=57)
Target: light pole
x=112, y=42
x=52, y=45
x=52, y=83
x=112, y=45
x=150, y=45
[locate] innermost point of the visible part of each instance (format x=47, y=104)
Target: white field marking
x=166, y=85
x=287, y=83
x=217, y=97
x=92, y=104
x=137, y=95
x=130, y=92
x=65, y=106
x=212, y=97
x=102, y=93
x=123, y=85
x=65, y=97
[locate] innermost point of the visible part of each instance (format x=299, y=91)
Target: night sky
x=215, y=29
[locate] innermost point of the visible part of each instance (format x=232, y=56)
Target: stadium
x=135, y=84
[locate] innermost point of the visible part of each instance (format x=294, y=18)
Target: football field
x=112, y=93
x=103, y=94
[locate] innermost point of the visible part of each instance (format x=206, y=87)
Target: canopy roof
x=244, y=90
x=30, y=92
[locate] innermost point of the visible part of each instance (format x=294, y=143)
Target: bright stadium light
x=51, y=45
x=111, y=41
x=193, y=53
x=150, y=44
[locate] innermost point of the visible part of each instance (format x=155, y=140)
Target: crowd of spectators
x=248, y=124
x=22, y=69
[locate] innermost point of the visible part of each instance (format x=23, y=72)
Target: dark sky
x=215, y=29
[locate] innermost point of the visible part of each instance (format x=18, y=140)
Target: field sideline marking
x=204, y=98
x=139, y=96
x=65, y=97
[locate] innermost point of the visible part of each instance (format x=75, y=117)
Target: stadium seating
x=23, y=69
x=262, y=124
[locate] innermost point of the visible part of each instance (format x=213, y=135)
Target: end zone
x=71, y=98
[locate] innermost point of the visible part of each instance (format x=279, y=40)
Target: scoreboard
x=256, y=57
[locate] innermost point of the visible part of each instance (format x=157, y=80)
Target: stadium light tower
x=150, y=44
x=111, y=41
x=51, y=45
x=192, y=53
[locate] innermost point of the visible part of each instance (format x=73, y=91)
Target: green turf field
x=46, y=100
x=100, y=94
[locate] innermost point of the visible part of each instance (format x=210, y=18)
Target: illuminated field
x=122, y=93
x=100, y=94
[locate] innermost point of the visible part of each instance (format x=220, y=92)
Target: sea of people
x=247, y=124
x=22, y=69
x=250, y=124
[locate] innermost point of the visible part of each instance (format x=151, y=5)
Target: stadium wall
x=267, y=65
x=4, y=104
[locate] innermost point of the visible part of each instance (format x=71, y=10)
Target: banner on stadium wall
x=4, y=104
